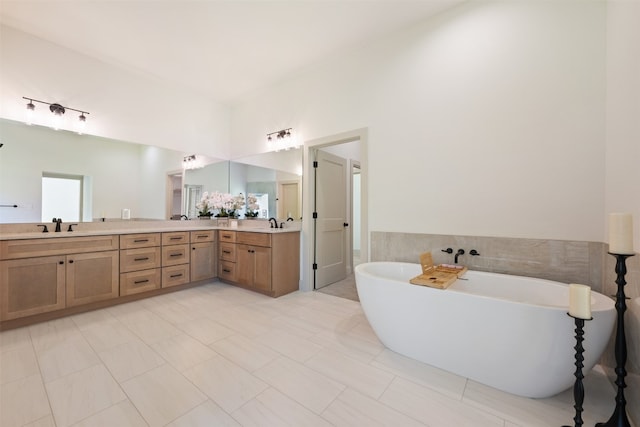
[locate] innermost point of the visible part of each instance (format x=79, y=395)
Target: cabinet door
x=92, y=277
x=31, y=286
x=244, y=265
x=203, y=261
x=262, y=268
x=254, y=267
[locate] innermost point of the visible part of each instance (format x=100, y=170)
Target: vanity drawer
x=175, y=275
x=139, y=259
x=227, y=236
x=228, y=251
x=29, y=248
x=175, y=238
x=175, y=254
x=203, y=236
x=139, y=281
x=255, y=239
x=227, y=271
x=145, y=240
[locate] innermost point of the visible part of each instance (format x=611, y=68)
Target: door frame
x=308, y=235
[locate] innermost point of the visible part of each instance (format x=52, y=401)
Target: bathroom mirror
x=125, y=175
x=274, y=178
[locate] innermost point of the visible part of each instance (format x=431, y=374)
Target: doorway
x=337, y=250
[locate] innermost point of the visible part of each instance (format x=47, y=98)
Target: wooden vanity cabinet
x=204, y=261
x=265, y=262
x=42, y=275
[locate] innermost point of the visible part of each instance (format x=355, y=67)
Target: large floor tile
x=360, y=376
x=105, y=336
x=226, y=383
x=162, y=395
x=247, y=353
x=64, y=356
x=17, y=363
x=23, y=401
x=435, y=409
x=92, y=319
x=272, y=408
x=289, y=344
x=14, y=338
x=182, y=351
x=355, y=409
x=82, y=394
x=207, y=414
x=121, y=414
x=205, y=330
x=130, y=359
x=42, y=422
x=153, y=329
x=426, y=375
x=301, y=383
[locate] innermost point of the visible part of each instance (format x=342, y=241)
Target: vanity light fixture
x=57, y=110
x=280, y=137
x=190, y=162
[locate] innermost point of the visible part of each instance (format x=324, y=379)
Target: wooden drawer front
x=146, y=240
x=175, y=275
x=175, y=254
x=29, y=248
x=228, y=252
x=139, y=259
x=256, y=239
x=139, y=281
x=227, y=271
x=203, y=236
x=226, y=236
x=175, y=238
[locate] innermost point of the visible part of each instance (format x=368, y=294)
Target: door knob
x=346, y=224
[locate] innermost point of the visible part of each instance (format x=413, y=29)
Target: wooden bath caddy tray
x=439, y=276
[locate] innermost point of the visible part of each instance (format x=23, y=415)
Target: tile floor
x=217, y=355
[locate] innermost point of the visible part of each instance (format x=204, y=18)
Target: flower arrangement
x=224, y=203
x=204, y=207
x=252, y=206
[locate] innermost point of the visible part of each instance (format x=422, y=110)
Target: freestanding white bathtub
x=508, y=332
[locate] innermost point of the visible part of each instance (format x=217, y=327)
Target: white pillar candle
x=621, y=233
x=580, y=301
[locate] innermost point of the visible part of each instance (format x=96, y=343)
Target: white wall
x=487, y=120
x=123, y=104
x=623, y=111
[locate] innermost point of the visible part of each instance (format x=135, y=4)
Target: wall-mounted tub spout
x=460, y=252
x=448, y=250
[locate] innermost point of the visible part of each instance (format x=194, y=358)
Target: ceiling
x=222, y=48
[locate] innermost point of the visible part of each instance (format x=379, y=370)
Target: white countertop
x=132, y=228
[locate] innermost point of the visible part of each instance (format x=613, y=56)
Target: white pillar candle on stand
x=621, y=233
x=580, y=301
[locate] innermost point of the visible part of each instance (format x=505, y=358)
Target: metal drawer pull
x=201, y=236
x=140, y=240
x=178, y=254
x=141, y=259
x=175, y=238
x=137, y=282
x=226, y=271
x=227, y=252
x=176, y=275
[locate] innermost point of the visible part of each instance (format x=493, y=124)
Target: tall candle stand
x=619, y=417
x=578, y=388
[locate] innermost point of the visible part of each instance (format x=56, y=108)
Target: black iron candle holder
x=619, y=417
x=578, y=387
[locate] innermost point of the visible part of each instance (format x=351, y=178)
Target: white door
x=331, y=208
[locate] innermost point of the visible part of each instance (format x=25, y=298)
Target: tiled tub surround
x=564, y=261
